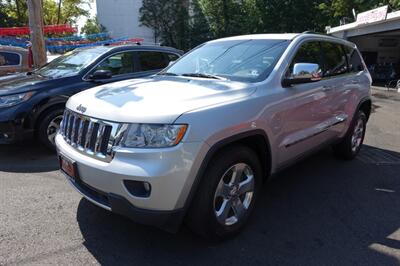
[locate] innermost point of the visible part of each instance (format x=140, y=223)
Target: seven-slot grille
x=90, y=136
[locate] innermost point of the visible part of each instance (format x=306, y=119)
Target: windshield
x=240, y=60
x=69, y=64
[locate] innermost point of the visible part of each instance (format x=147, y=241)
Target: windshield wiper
x=167, y=74
x=202, y=75
x=30, y=73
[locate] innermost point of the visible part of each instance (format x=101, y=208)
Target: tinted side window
x=153, y=60
x=309, y=52
x=334, y=59
x=354, y=60
x=9, y=59
x=172, y=57
x=121, y=63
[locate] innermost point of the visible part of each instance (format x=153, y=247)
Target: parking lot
x=322, y=211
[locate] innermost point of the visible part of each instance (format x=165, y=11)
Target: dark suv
x=32, y=103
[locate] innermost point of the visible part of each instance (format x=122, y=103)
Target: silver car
x=195, y=142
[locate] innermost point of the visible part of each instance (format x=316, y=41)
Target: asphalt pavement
x=322, y=211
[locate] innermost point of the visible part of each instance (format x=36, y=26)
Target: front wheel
x=49, y=126
x=351, y=144
x=227, y=194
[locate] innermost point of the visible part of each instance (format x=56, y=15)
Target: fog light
x=138, y=188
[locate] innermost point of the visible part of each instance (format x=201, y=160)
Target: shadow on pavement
x=321, y=211
x=27, y=157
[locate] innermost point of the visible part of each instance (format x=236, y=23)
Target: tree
x=337, y=9
x=35, y=10
x=93, y=26
x=199, y=30
x=6, y=20
x=16, y=12
x=290, y=16
x=231, y=17
x=169, y=20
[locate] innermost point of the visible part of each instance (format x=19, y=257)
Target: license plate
x=69, y=167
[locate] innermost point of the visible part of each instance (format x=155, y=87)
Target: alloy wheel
x=234, y=194
x=357, y=137
x=53, y=128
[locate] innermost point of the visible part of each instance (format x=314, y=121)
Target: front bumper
x=169, y=171
x=166, y=220
x=13, y=126
x=14, y=131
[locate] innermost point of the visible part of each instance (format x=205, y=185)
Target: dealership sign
x=371, y=16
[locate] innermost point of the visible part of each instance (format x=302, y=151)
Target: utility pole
x=35, y=10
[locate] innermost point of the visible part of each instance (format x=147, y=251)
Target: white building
x=121, y=18
x=377, y=35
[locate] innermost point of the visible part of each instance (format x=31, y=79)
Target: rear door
x=347, y=96
x=335, y=79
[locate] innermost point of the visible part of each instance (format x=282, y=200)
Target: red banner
x=47, y=29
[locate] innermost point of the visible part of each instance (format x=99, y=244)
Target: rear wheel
x=49, y=126
x=351, y=144
x=227, y=194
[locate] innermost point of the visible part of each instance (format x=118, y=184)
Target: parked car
x=32, y=103
x=197, y=140
x=13, y=59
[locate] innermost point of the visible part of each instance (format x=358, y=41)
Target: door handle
x=354, y=81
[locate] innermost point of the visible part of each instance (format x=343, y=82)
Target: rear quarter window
x=354, y=60
x=9, y=59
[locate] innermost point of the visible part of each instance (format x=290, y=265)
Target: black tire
x=43, y=126
x=346, y=149
x=202, y=217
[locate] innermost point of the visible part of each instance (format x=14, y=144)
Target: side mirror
x=101, y=74
x=303, y=73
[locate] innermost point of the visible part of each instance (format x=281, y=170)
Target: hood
x=155, y=100
x=20, y=83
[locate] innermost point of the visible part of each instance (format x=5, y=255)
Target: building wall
x=121, y=18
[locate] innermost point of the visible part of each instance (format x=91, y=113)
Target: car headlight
x=153, y=135
x=10, y=100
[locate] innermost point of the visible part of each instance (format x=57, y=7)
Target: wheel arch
x=45, y=108
x=255, y=139
x=365, y=105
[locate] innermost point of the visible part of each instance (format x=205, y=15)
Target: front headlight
x=153, y=135
x=10, y=100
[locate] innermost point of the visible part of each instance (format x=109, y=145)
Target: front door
x=305, y=112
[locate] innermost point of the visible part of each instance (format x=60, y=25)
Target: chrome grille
x=91, y=136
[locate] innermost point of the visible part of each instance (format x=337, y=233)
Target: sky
x=92, y=11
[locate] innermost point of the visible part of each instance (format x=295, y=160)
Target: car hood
x=20, y=83
x=155, y=100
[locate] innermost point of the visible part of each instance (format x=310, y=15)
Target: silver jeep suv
x=195, y=142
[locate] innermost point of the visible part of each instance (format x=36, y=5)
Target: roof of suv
x=278, y=36
x=283, y=36
x=106, y=48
